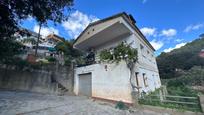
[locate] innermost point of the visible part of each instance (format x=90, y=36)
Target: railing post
x=161, y=96
x=201, y=100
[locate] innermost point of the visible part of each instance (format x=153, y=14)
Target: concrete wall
x=43, y=80
x=111, y=83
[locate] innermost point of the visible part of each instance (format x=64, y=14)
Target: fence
x=170, y=101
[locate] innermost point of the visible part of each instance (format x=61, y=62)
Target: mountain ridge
x=183, y=58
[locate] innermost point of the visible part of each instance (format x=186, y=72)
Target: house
x=46, y=44
x=112, y=81
x=54, y=39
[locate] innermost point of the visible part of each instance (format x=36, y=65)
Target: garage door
x=85, y=84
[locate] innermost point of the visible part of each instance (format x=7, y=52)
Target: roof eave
x=125, y=16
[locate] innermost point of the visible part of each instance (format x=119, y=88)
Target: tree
x=8, y=49
x=70, y=53
x=13, y=11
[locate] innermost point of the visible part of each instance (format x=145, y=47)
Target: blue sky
x=167, y=24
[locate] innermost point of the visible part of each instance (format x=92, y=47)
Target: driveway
x=27, y=103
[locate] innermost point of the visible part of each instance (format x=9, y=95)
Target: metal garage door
x=85, y=84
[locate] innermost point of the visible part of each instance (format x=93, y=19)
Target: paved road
x=26, y=103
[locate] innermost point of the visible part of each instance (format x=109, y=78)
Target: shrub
x=181, y=91
x=22, y=63
x=51, y=59
x=175, y=83
x=121, y=105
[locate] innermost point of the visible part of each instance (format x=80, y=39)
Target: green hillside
x=175, y=63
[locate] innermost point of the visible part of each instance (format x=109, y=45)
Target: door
x=85, y=87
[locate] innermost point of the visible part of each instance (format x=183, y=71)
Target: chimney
x=133, y=21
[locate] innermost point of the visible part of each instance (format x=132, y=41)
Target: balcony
x=88, y=59
x=110, y=33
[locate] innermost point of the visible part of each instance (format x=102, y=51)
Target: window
x=141, y=46
x=145, y=80
x=147, y=52
x=137, y=79
x=93, y=29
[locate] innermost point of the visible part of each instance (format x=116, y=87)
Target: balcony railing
x=88, y=60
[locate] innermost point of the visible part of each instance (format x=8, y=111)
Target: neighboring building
x=112, y=81
x=45, y=47
x=54, y=39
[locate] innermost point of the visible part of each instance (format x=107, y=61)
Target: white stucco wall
x=111, y=83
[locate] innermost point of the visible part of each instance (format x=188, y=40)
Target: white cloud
x=148, y=31
x=156, y=44
x=193, y=27
x=176, y=47
x=179, y=40
x=45, y=30
x=168, y=32
x=77, y=22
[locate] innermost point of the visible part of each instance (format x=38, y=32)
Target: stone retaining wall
x=44, y=80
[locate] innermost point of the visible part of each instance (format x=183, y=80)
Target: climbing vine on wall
x=121, y=52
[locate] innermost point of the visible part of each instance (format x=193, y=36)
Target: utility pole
x=36, y=48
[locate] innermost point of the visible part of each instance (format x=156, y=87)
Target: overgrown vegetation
x=191, y=77
x=51, y=59
x=175, y=87
x=22, y=65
